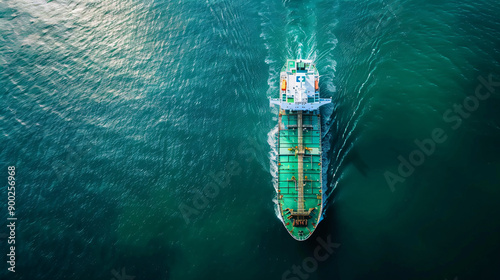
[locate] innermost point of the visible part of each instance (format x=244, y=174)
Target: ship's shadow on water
x=355, y=159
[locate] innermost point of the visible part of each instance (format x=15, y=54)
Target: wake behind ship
x=299, y=190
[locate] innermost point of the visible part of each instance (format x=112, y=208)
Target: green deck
x=291, y=175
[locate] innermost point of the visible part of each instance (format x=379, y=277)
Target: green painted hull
x=299, y=221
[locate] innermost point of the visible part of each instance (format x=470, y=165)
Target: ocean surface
x=142, y=138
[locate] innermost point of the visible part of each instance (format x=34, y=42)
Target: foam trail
x=273, y=155
x=298, y=38
x=346, y=140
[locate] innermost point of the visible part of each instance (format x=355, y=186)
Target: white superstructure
x=299, y=88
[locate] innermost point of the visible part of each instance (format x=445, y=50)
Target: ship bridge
x=299, y=87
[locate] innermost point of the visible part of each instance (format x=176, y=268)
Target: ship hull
x=299, y=128
x=299, y=189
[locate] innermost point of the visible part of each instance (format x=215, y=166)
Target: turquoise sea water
x=119, y=115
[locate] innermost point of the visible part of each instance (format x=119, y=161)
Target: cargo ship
x=299, y=189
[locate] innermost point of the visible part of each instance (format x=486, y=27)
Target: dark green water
x=119, y=114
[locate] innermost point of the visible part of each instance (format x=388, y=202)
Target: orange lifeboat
x=316, y=85
x=283, y=84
